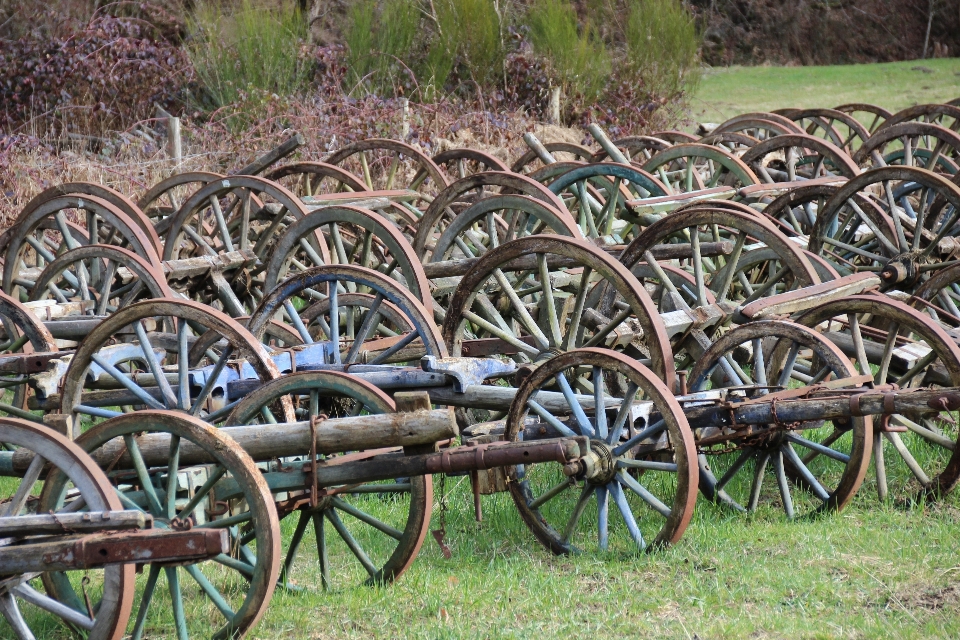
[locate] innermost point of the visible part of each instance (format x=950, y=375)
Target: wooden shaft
x=271, y=441
x=88, y=522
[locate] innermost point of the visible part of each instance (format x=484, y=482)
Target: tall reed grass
x=253, y=50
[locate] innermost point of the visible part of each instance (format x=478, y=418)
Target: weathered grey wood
x=278, y=153
x=810, y=297
x=190, y=267
x=88, y=522
x=451, y=268
x=270, y=441
x=814, y=409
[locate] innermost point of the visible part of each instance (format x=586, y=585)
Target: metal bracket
x=468, y=371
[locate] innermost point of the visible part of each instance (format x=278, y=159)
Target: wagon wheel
x=307, y=179
x=841, y=129
x=643, y=464
x=235, y=213
x=945, y=115
x=493, y=221
x=674, y=137
x=104, y=277
x=23, y=334
x=792, y=157
x=903, y=259
x=561, y=151
x=799, y=207
x=389, y=164
x=529, y=307
x=148, y=454
x=368, y=327
x=637, y=149
x=23, y=605
x=374, y=539
x=598, y=211
x=939, y=297
x=691, y=167
x=730, y=141
x=760, y=125
x=870, y=115
x=41, y=234
x=462, y=193
x=147, y=355
x=460, y=163
x=117, y=199
x=355, y=236
x=912, y=144
x=783, y=269
x=827, y=460
x=165, y=198
x=900, y=345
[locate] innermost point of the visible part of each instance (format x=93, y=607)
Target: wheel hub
x=600, y=465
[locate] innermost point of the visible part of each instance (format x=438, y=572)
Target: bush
x=104, y=74
x=662, y=46
x=253, y=50
x=578, y=55
x=380, y=44
x=474, y=26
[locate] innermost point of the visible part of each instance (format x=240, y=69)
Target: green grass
x=871, y=571
x=726, y=92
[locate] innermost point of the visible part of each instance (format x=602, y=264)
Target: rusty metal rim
x=856, y=468
x=616, y=274
x=412, y=308
x=558, y=222
x=114, y=197
x=220, y=187
x=244, y=342
x=914, y=321
x=243, y=473
x=70, y=461
x=381, y=144
x=151, y=276
x=407, y=261
x=679, y=430
x=324, y=169
x=753, y=224
x=432, y=217
x=835, y=154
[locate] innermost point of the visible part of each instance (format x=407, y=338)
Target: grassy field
x=726, y=92
x=872, y=571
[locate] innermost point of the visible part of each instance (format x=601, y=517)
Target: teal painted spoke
x=603, y=518
x=551, y=493
x=173, y=470
x=628, y=518
x=211, y=592
x=585, y=427
x=202, y=492
x=145, y=601
x=578, y=510
x=176, y=597
x=383, y=527
x=322, y=559
x=351, y=542
x=211, y=381
x=623, y=413
x=599, y=403
x=631, y=483
x=143, y=474
x=166, y=391
x=127, y=382
x=183, y=365
x=550, y=418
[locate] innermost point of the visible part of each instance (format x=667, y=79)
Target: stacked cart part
x=766, y=314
